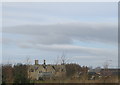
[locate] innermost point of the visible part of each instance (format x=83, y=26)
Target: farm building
x=43, y=71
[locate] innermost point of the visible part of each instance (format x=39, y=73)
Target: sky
x=86, y=32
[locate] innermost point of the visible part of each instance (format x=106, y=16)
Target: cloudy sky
x=87, y=33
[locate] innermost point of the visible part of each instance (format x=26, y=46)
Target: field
x=102, y=80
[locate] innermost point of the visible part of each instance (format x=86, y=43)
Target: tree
x=72, y=69
x=20, y=74
x=106, y=64
x=57, y=60
x=28, y=60
x=7, y=73
x=64, y=59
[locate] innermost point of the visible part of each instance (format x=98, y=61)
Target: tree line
x=19, y=73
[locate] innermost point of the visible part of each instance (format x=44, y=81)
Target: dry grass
x=102, y=80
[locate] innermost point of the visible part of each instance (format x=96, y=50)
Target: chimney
x=36, y=62
x=44, y=62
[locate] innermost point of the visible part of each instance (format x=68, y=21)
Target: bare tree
x=28, y=61
x=64, y=59
x=106, y=64
x=57, y=60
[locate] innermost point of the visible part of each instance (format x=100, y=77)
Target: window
x=31, y=70
x=40, y=71
x=62, y=70
x=36, y=68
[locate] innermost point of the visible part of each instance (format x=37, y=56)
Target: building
x=99, y=73
x=43, y=71
x=110, y=72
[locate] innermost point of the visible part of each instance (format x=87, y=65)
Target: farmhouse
x=43, y=71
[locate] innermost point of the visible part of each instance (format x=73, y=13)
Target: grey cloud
x=78, y=49
x=6, y=40
x=66, y=33
x=72, y=49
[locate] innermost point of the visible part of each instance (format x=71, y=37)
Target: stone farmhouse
x=43, y=71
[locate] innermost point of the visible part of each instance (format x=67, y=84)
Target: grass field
x=102, y=80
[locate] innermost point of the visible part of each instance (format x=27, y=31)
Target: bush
x=20, y=74
x=71, y=69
